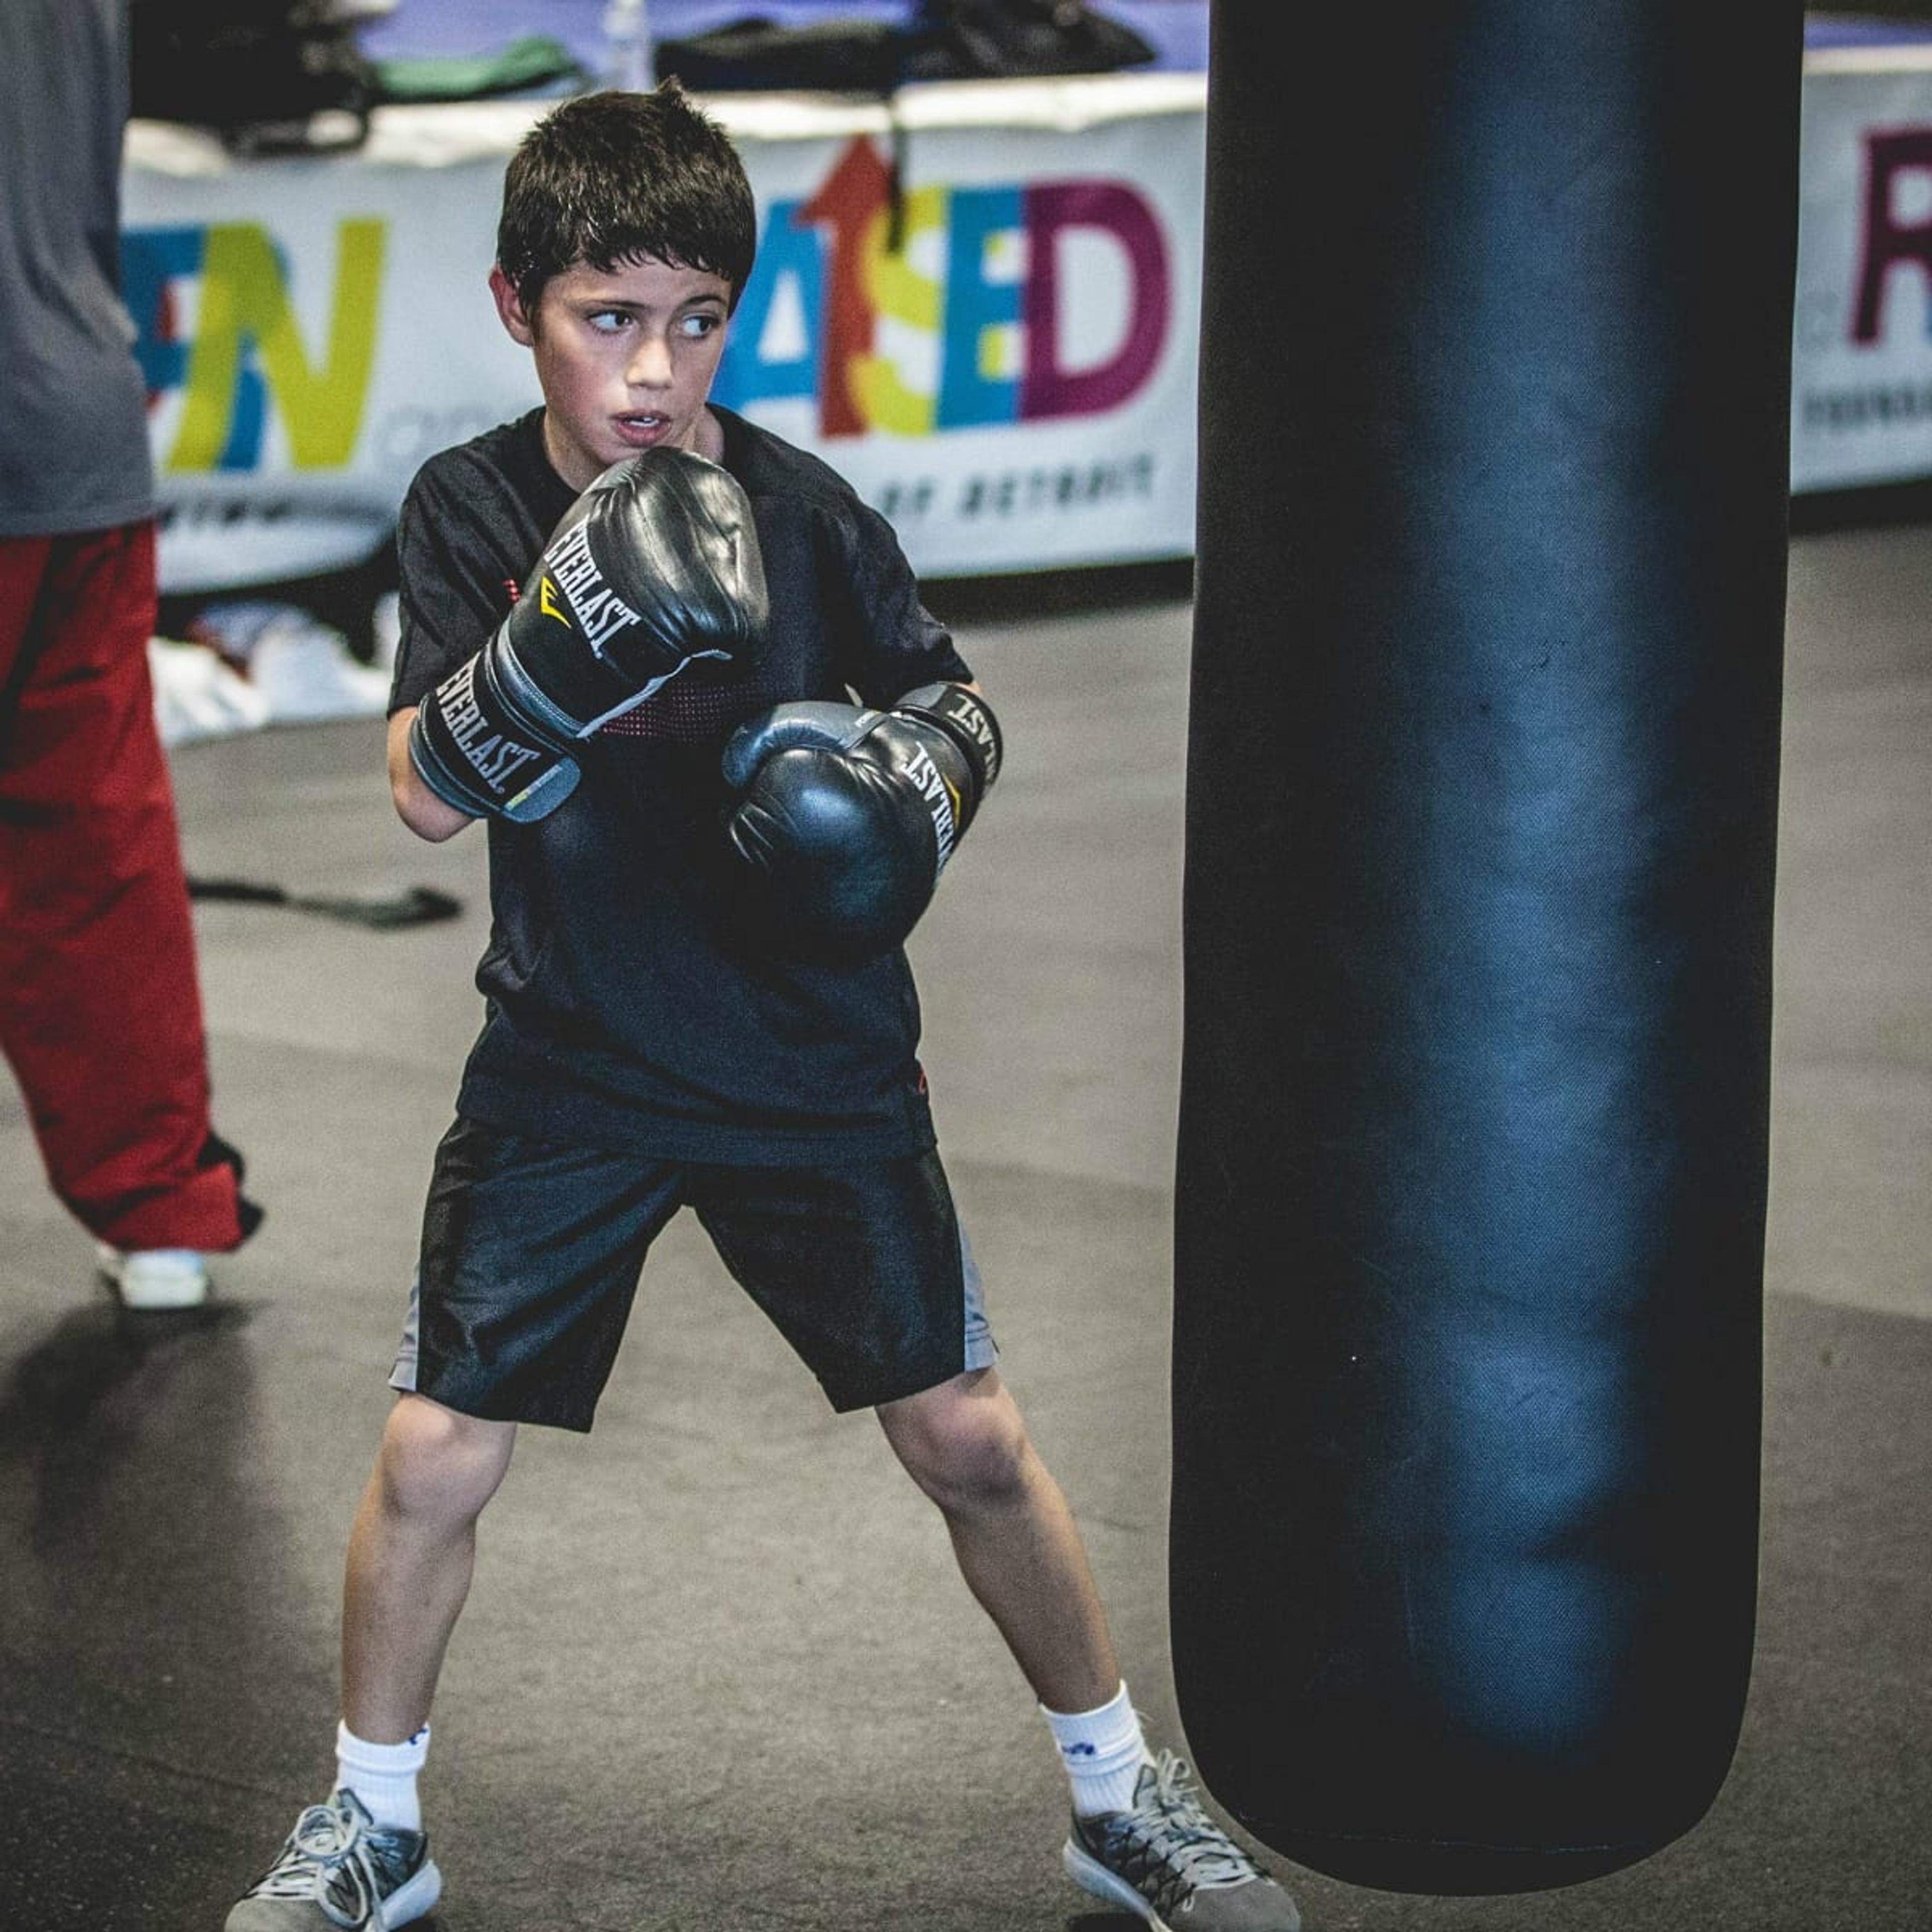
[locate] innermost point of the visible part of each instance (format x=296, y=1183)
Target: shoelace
x=1178, y=1841
x=325, y=1846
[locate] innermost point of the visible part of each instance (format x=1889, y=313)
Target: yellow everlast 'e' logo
x=547, y=601
x=583, y=599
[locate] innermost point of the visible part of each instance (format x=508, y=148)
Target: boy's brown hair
x=610, y=177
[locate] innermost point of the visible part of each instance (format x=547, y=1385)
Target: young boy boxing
x=634, y=626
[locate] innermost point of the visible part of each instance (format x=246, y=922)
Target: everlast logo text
x=494, y=758
x=599, y=611
x=940, y=801
x=972, y=719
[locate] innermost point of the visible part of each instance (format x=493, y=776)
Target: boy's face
x=624, y=357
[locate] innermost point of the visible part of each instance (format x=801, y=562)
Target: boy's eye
x=608, y=321
x=701, y=324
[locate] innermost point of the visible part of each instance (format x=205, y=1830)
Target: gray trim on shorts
x=981, y=1351
x=403, y=1376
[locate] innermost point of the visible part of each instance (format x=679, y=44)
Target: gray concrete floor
x=718, y=1669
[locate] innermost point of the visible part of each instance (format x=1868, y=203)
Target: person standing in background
x=100, y=1013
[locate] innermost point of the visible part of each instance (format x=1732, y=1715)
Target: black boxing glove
x=655, y=567
x=847, y=816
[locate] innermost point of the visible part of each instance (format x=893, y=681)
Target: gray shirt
x=73, y=436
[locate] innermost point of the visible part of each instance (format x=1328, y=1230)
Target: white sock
x=383, y=1776
x=1103, y=1751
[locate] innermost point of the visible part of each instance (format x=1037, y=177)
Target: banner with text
x=987, y=318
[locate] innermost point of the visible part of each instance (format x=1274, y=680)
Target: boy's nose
x=650, y=367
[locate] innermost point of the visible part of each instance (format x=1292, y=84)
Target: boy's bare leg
x=411, y=1554
x=966, y=1446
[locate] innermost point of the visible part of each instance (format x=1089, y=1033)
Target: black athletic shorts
x=532, y=1251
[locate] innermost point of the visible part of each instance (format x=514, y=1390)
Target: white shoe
x=303, y=669
x=156, y=1277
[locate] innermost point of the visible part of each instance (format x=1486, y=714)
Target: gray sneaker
x=340, y=1872
x=1166, y=1859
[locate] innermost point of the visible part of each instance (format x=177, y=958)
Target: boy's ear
x=510, y=307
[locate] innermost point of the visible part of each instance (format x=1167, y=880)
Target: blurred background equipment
x=268, y=76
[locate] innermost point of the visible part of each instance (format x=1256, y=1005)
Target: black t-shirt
x=621, y=1009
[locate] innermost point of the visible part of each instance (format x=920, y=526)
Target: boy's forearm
x=426, y=815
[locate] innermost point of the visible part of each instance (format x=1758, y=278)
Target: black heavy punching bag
x=1481, y=794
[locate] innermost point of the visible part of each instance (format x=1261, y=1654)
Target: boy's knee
x=967, y=1452
x=436, y=1463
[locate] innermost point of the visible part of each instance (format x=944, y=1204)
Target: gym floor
x=718, y=1669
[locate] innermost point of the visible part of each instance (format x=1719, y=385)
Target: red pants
x=100, y=1005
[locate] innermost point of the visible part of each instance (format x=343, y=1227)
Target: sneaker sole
x=159, y=1304
x=409, y=1901
x=1090, y=1875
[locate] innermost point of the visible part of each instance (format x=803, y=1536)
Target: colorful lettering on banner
x=1893, y=159
x=894, y=290
x=246, y=355
x=975, y=274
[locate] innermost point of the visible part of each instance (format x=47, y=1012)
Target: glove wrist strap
x=479, y=753
x=966, y=718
